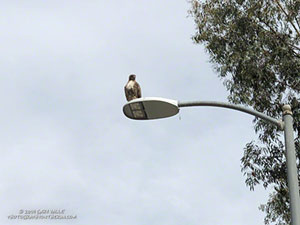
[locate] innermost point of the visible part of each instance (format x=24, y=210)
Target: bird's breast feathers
x=130, y=84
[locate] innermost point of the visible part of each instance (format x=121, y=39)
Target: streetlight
x=156, y=108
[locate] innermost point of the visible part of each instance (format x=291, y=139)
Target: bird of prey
x=132, y=89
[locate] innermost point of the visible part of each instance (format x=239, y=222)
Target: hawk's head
x=132, y=77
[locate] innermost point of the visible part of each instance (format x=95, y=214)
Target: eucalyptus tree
x=254, y=46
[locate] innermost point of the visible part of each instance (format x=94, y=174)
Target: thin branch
x=296, y=19
x=287, y=16
x=276, y=34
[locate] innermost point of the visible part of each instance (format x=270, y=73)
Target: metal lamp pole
x=291, y=165
x=155, y=108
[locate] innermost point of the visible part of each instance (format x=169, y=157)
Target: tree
x=255, y=48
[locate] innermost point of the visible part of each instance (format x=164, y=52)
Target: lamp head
x=150, y=108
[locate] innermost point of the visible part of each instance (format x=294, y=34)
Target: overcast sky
x=65, y=143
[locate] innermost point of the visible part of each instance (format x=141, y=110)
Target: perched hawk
x=132, y=89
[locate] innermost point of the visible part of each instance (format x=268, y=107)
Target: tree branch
x=287, y=16
x=296, y=19
x=276, y=34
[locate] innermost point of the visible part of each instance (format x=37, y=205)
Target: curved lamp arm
x=272, y=120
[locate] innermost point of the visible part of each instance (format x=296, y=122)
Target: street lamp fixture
x=150, y=108
x=156, y=108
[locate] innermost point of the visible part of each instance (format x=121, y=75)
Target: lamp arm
x=241, y=108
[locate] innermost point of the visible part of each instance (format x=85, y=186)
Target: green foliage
x=255, y=48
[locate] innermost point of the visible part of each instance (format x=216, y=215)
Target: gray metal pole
x=292, y=172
